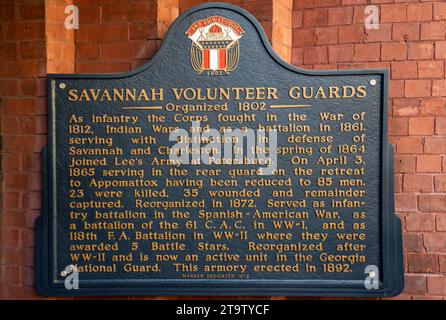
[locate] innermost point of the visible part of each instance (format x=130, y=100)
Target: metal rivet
x=373, y=82
x=62, y=85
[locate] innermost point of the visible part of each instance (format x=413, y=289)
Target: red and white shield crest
x=215, y=44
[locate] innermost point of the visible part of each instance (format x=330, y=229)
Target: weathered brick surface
x=23, y=132
x=411, y=43
x=118, y=35
x=422, y=263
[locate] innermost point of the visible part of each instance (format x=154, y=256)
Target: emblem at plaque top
x=215, y=47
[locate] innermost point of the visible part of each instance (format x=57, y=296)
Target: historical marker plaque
x=304, y=206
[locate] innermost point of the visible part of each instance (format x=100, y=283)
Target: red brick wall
x=23, y=129
x=118, y=35
x=60, y=47
x=410, y=42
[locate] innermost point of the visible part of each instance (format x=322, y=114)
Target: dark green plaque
x=122, y=218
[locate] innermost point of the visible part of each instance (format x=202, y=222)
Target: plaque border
x=390, y=225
